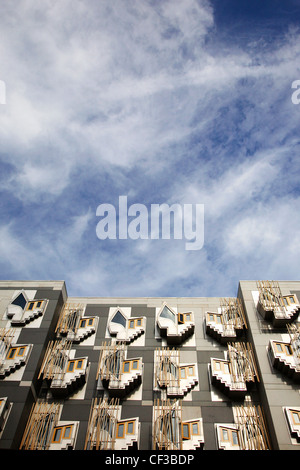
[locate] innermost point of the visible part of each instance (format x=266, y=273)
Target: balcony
x=176, y=378
x=248, y=432
x=237, y=372
x=174, y=327
x=22, y=311
x=45, y=431
x=171, y=431
x=285, y=355
x=228, y=324
x=106, y=429
x=74, y=326
x=13, y=356
x=125, y=329
x=274, y=307
x=117, y=374
x=64, y=374
x=293, y=418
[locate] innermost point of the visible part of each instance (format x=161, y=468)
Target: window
x=86, y=322
x=20, y=301
x=183, y=317
x=125, y=428
x=221, y=366
x=186, y=371
x=75, y=364
x=189, y=429
x=34, y=304
x=295, y=417
x=130, y=365
x=214, y=317
x=119, y=318
x=229, y=436
x=167, y=313
x=134, y=323
x=284, y=348
x=16, y=352
x=61, y=432
x=289, y=300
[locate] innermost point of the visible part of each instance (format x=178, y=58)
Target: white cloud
x=132, y=89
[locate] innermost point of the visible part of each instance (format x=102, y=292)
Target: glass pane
x=11, y=353
x=119, y=318
x=82, y=324
x=30, y=306
x=224, y=435
x=71, y=366
x=185, y=431
x=79, y=364
x=166, y=313
x=296, y=417
x=131, y=324
x=130, y=427
x=57, y=435
x=135, y=364
x=182, y=373
x=67, y=432
x=235, y=438
x=126, y=367
x=120, y=430
x=20, y=301
x=195, y=428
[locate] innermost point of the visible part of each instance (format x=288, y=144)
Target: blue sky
x=162, y=101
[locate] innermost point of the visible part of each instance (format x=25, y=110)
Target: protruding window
x=106, y=429
x=119, y=318
x=175, y=327
x=20, y=301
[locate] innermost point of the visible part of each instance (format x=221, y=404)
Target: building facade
x=155, y=374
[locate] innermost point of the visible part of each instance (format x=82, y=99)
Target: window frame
x=130, y=362
x=217, y=318
x=183, y=317
x=35, y=304
x=135, y=322
x=62, y=428
x=223, y=364
x=125, y=425
x=230, y=433
x=286, y=348
x=16, y=351
x=88, y=321
x=189, y=425
x=295, y=412
x=75, y=362
x=287, y=300
x=187, y=372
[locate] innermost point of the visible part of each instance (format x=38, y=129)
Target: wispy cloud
x=156, y=101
